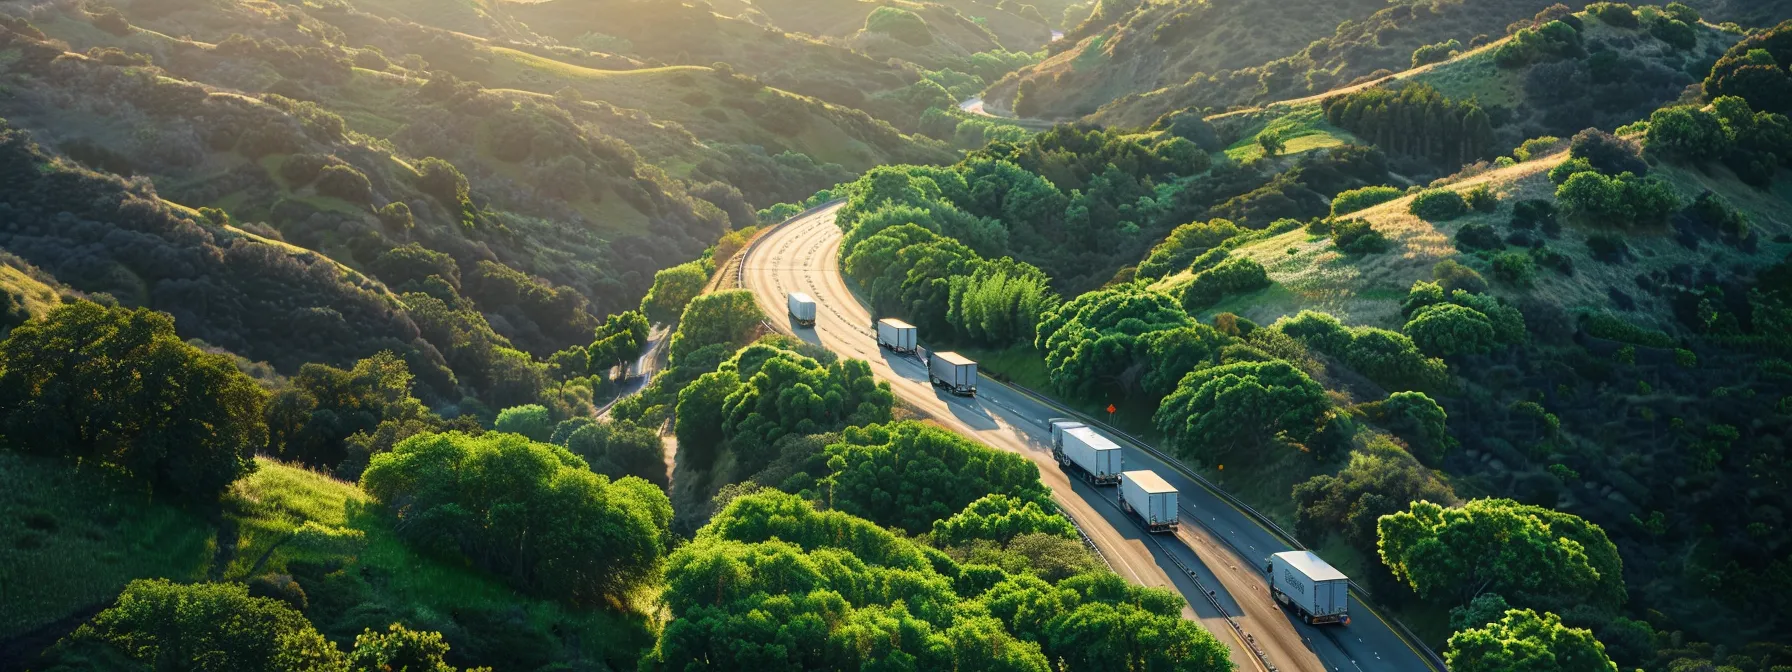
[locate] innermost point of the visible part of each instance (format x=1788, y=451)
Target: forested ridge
x=319, y=326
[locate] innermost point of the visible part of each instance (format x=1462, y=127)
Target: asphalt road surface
x=1216, y=557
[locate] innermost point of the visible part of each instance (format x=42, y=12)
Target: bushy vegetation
x=528, y=511
x=1415, y=120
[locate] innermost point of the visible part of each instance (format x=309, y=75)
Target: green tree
x=1438, y=205
x=1418, y=420
x=908, y=475
x=1001, y=518
x=1271, y=142
x=618, y=341
x=620, y=448
x=399, y=649
x=1523, y=640
x=673, y=288
x=1232, y=276
x=1686, y=134
x=326, y=416
x=531, y=513
x=531, y=420
x=1366, y=197
x=721, y=317
x=1533, y=555
x=117, y=386
x=1184, y=244
x=1450, y=330
x=207, y=627
x=1217, y=410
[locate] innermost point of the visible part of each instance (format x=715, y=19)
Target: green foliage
x=532, y=421
x=1533, y=554
x=1451, y=275
x=909, y=475
x=1625, y=201
x=1417, y=419
x=1099, y=622
x=1233, y=276
x=1415, y=120
x=1537, y=147
x=1550, y=41
x=346, y=183
x=1478, y=236
x=442, y=180
x=1754, y=69
x=674, y=288
x=336, y=419
x=1386, y=357
x=765, y=393
x=1435, y=53
x=1523, y=640
x=1000, y=518
x=1614, y=14
x=1379, y=480
x=399, y=649
x=1438, y=205
x=1514, y=268
x=529, y=512
x=618, y=449
x=1000, y=302
x=899, y=23
x=1366, y=197
x=1482, y=199
x=773, y=584
x=1356, y=236
x=1271, y=142
x=1092, y=342
x=116, y=386
x=1184, y=244
x=1215, y=411
x=1449, y=330
x=1687, y=134
x=208, y=627
x=1608, y=326
x=726, y=317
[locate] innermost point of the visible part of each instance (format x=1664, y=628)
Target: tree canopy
x=1525, y=640
x=1535, y=555
x=1217, y=410
x=530, y=512
x=118, y=387
x=908, y=475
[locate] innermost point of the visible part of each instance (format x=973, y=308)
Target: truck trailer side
x=1149, y=498
x=1310, y=586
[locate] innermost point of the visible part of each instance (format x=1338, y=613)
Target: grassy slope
x=39, y=297
x=1368, y=289
x=73, y=538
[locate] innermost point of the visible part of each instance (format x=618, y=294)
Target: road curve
x=1219, y=546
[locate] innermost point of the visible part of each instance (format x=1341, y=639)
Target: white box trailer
x=953, y=372
x=1312, y=587
x=1082, y=449
x=1059, y=425
x=894, y=334
x=802, y=308
x=1150, y=498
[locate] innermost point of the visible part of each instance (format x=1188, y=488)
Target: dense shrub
x=1439, y=205
x=346, y=183
x=909, y=474
x=1232, y=276
x=1366, y=197
x=719, y=317
x=674, y=288
x=1625, y=201
x=1478, y=236
x=1358, y=237
x=1448, y=330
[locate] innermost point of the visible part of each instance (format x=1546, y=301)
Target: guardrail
x=740, y=259
x=1412, y=639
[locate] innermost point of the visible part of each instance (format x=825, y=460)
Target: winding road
x=1214, y=561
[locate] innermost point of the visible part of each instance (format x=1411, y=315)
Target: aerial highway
x=1214, y=560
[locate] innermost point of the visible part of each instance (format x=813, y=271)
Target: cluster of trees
x=1459, y=322
x=219, y=626
x=1753, y=144
x=1124, y=340
x=1754, y=69
x=1217, y=411
x=335, y=419
x=773, y=583
x=528, y=512
x=116, y=386
x=1388, y=358
x=1553, y=40
x=910, y=475
x=1417, y=121
x=1531, y=555
x=765, y=393
x=1184, y=246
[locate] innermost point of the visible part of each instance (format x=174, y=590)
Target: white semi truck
x=1078, y=447
x=802, y=308
x=896, y=335
x=1311, y=587
x=1151, y=499
x=953, y=372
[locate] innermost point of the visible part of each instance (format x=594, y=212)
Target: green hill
x=75, y=537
